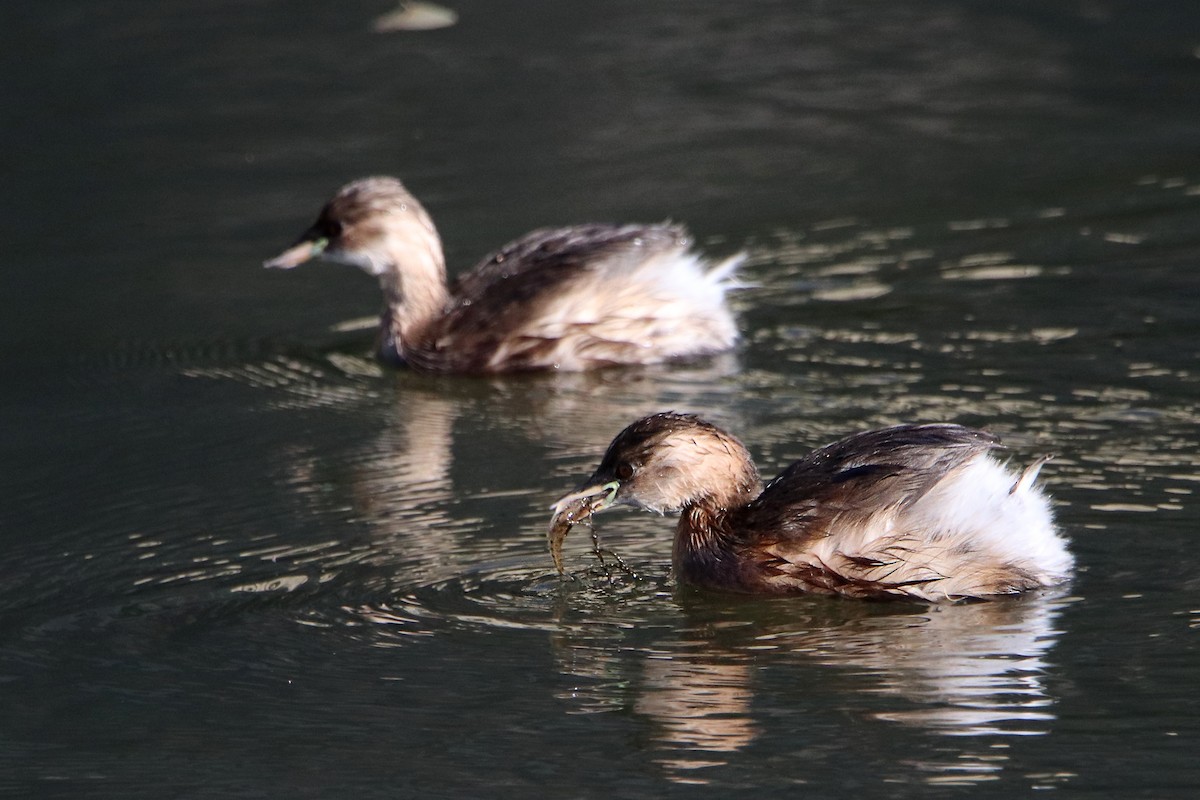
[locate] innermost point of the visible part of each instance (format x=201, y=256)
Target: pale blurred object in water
x=416, y=16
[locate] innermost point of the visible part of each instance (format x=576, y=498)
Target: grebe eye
x=625, y=471
x=331, y=229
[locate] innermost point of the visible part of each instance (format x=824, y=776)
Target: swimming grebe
x=566, y=298
x=917, y=511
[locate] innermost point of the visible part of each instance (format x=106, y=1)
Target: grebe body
x=573, y=298
x=911, y=511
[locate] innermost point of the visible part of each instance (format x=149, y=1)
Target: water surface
x=241, y=560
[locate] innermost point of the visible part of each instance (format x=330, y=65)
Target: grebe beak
x=574, y=508
x=297, y=254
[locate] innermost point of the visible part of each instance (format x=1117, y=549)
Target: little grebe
x=566, y=298
x=917, y=511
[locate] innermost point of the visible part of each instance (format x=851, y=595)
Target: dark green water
x=239, y=560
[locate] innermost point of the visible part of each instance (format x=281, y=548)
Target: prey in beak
x=573, y=509
x=297, y=254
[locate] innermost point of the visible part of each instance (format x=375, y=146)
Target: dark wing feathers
x=564, y=248
x=858, y=476
x=537, y=261
x=512, y=285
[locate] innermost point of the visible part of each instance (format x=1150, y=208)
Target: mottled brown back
x=856, y=478
x=491, y=304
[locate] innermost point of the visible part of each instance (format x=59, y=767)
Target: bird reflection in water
x=406, y=534
x=700, y=705
x=975, y=672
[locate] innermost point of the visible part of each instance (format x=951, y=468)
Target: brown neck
x=412, y=308
x=703, y=541
x=703, y=525
x=414, y=289
x=705, y=533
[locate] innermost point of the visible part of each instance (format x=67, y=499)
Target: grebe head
x=374, y=224
x=668, y=461
x=663, y=463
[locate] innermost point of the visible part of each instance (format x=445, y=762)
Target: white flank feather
x=979, y=529
x=636, y=310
